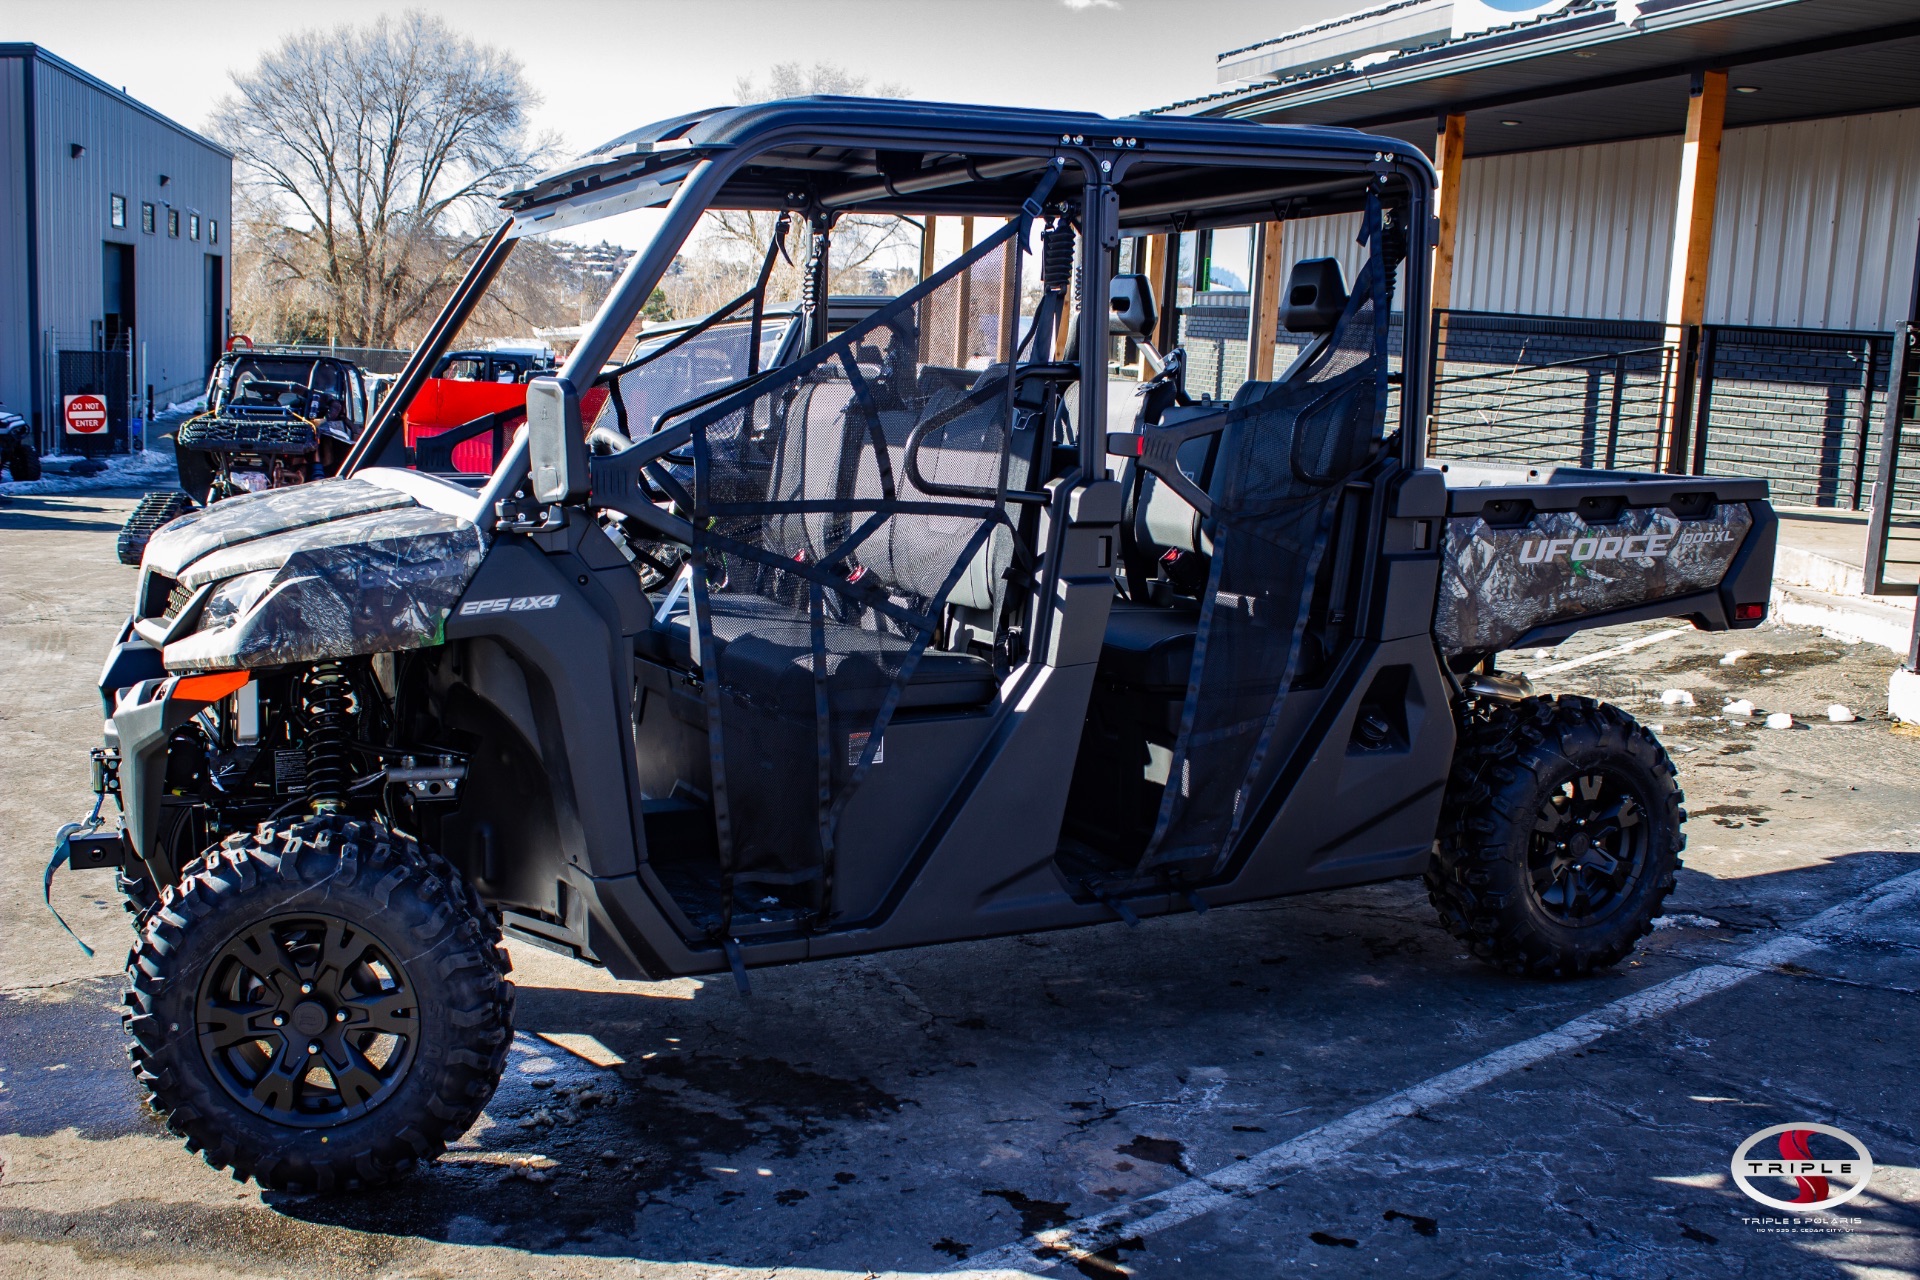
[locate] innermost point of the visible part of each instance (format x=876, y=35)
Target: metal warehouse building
x=1674, y=234
x=114, y=240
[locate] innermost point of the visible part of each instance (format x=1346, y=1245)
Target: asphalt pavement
x=1322, y=1085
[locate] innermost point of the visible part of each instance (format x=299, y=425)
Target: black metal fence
x=1591, y=393
x=106, y=375
x=1893, y=531
x=1800, y=407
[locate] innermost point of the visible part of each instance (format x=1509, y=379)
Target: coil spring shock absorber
x=328, y=715
x=1056, y=259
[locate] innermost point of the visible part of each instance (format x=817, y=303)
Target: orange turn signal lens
x=211, y=687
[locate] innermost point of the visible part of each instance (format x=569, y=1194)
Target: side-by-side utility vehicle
x=901, y=637
x=275, y=416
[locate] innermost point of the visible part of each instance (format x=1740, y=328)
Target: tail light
x=1749, y=613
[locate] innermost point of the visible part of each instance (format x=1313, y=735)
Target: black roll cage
x=1194, y=174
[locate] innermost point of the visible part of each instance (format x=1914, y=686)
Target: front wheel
x=319, y=1004
x=1559, y=838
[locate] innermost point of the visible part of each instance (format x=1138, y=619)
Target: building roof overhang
x=1580, y=76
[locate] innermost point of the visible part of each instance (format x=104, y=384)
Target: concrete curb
x=1883, y=620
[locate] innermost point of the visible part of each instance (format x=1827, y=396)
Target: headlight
x=233, y=598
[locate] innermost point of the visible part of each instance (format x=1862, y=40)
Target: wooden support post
x=1009, y=303
x=1153, y=268
x=1692, y=246
x=1449, y=151
x=963, y=320
x=926, y=248
x=1166, y=335
x=1263, y=320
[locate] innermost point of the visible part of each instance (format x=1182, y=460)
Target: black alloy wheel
x=319, y=1004
x=309, y=1020
x=1589, y=848
x=1559, y=836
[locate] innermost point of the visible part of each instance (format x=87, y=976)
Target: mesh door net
x=1286, y=450
x=837, y=503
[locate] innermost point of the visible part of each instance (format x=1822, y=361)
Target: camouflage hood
x=331, y=569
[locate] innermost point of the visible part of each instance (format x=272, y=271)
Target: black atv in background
x=17, y=453
x=274, y=417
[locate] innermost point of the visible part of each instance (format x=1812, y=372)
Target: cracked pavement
x=912, y=1112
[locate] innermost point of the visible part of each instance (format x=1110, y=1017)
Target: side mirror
x=1316, y=296
x=1130, y=307
x=556, y=445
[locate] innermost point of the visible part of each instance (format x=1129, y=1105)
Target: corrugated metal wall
x=1815, y=223
x=16, y=338
x=1578, y=231
x=1815, y=227
x=127, y=152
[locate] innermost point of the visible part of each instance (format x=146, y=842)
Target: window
x=173, y=223
x=146, y=217
x=193, y=226
x=213, y=231
x=117, y=211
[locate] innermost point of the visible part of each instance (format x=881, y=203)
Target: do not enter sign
x=86, y=415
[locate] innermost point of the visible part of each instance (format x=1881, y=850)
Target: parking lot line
x=1615, y=652
x=1266, y=1170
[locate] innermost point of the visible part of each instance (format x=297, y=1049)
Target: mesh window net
x=840, y=504
x=1287, y=449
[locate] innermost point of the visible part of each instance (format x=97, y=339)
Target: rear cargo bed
x=1530, y=555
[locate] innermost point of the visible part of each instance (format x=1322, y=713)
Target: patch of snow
x=1683, y=921
x=1841, y=713
x=1733, y=656
x=1780, y=720
x=1676, y=698
x=196, y=405
x=1738, y=707
x=153, y=469
x=1656, y=728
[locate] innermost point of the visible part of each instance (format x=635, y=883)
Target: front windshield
x=704, y=363
x=693, y=341
x=263, y=382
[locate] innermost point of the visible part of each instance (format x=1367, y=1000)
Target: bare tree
x=721, y=260
x=791, y=80
x=375, y=154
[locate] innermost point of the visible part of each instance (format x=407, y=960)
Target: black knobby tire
x=155, y=511
x=24, y=464
x=1559, y=838
x=405, y=1004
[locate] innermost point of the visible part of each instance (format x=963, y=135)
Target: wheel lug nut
x=306, y=988
x=313, y=1048
x=340, y=1015
x=279, y=1019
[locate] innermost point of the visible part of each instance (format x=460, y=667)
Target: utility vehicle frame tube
x=446, y=326
x=621, y=305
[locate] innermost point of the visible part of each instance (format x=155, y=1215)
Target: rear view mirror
x=1130, y=306
x=556, y=446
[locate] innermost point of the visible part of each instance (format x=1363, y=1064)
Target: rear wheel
x=24, y=464
x=319, y=1005
x=1560, y=836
